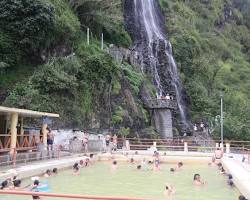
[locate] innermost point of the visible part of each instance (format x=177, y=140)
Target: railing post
x=127, y=145
x=154, y=144
x=221, y=146
x=185, y=147
x=227, y=148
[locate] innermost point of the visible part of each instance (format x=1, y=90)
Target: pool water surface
x=98, y=179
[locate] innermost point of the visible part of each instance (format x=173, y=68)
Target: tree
x=28, y=22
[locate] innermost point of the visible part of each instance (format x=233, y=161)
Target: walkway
x=240, y=172
x=34, y=169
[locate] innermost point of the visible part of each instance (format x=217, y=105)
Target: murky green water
x=127, y=181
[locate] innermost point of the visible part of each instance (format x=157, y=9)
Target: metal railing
x=178, y=143
x=160, y=103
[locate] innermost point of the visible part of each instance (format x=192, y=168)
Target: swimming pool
x=127, y=181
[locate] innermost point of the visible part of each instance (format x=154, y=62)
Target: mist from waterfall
x=146, y=14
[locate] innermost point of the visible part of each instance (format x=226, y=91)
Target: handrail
x=73, y=196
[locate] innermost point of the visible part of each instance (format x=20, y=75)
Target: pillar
x=13, y=130
x=154, y=144
x=227, y=148
x=185, y=147
x=45, y=132
x=127, y=145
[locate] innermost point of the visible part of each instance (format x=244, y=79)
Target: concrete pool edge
x=241, y=176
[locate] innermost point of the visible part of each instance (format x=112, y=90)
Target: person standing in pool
x=76, y=169
x=197, y=180
x=218, y=154
x=35, y=189
x=169, y=190
x=114, y=166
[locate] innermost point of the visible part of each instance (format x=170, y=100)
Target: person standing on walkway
x=85, y=141
x=115, y=142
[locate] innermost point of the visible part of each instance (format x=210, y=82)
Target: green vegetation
x=103, y=16
x=211, y=44
x=46, y=65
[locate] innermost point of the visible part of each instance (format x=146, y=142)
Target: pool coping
x=240, y=172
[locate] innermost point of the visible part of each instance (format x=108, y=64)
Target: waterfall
x=156, y=51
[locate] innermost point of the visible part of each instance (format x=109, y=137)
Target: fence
x=24, y=142
x=184, y=144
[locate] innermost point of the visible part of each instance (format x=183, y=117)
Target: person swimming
x=241, y=197
x=17, y=184
x=169, y=190
x=54, y=171
x=230, y=180
x=197, y=180
x=222, y=171
x=87, y=162
x=172, y=169
x=114, y=166
x=35, y=189
x=132, y=161
x=81, y=163
x=212, y=164
x=76, y=169
x=4, y=185
x=156, y=165
x=218, y=154
x=138, y=167
x=48, y=173
x=179, y=165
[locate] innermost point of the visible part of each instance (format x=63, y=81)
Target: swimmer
x=87, y=162
x=197, y=180
x=169, y=190
x=48, y=173
x=81, y=163
x=230, y=180
x=179, y=165
x=218, y=154
x=17, y=184
x=219, y=165
x=150, y=162
x=222, y=171
x=138, y=167
x=114, y=166
x=212, y=164
x=35, y=189
x=241, y=197
x=172, y=170
x=76, y=169
x=4, y=185
x=132, y=161
x=54, y=171
x=156, y=165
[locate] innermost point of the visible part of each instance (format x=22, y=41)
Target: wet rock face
x=155, y=53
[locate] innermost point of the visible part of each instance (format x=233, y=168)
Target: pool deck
x=240, y=172
x=39, y=168
x=231, y=162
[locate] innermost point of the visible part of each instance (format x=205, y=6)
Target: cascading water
x=145, y=24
